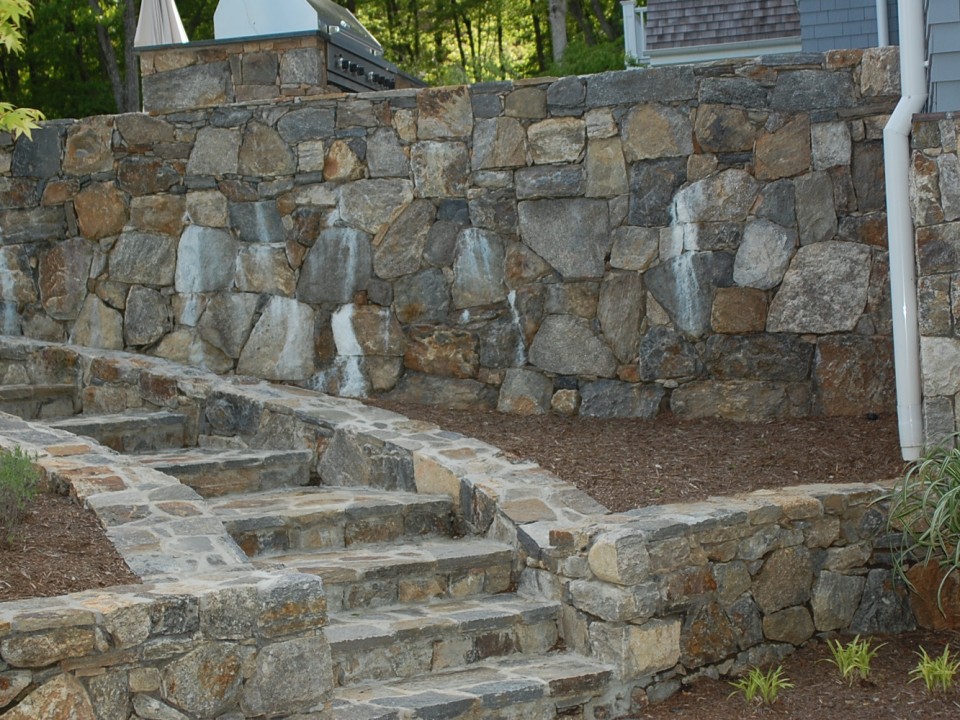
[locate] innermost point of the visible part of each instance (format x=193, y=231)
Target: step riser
x=407, y=655
x=341, y=529
x=130, y=434
x=32, y=402
x=210, y=482
x=417, y=586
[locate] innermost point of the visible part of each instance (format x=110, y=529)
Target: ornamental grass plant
x=19, y=480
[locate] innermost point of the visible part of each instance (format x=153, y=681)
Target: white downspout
x=883, y=24
x=630, y=40
x=903, y=278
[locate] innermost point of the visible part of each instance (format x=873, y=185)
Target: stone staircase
x=424, y=621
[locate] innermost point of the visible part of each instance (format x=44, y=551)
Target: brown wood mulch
x=59, y=548
x=630, y=463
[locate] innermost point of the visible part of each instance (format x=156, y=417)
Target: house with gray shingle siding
x=943, y=52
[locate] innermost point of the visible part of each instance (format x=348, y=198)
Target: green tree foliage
x=12, y=14
x=78, y=57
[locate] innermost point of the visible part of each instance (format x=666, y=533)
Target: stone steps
x=214, y=472
x=543, y=688
x=409, y=640
x=130, y=432
x=32, y=402
x=415, y=571
x=321, y=518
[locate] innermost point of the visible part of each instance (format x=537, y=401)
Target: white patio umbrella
x=159, y=24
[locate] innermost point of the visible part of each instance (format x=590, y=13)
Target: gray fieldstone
x=939, y=421
x=301, y=66
x=831, y=145
x=745, y=617
x=637, y=651
x=816, y=216
x=620, y=310
x=880, y=72
x=195, y=86
x=525, y=392
x=652, y=132
x=399, y=252
x=207, y=207
x=665, y=354
x=264, y=153
x=653, y=185
x=422, y=297
x=440, y=169
x=370, y=204
x=139, y=129
x=615, y=399
x=632, y=87
x=216, y=151
x=566, y=92
x=276, y=684
x=499, y=143
x=835, y=599
x=777, y=202
x=572, y=235
x=375, y=332
x=685, y=286
x=494, y=210
x=222, y=661
x=784, y=152
x=142, y=259
x=741, y=400
x=941, y=366
x=227, y=320
x=385, y=156
x=310, y=123
x=824, y=291
x=726, y=196
x=721, y=128
x=146, y=317
x=792, y=625
x=452, y=393
x=526, y=102
x=549, y=182
x=746, y=92
x=868, y=179
x=556, y=140
x=98, y=326
x=89, y=147
x=478, y=269
x=884, y=606
x=281, y=343
x=567, y=345
x=336, y=267
x=614, y=604
x=949, y=167
x=634, y=248
x=801, y=90
x=257, y=222
x=785, y=579
x=764, y=254
x=785, y=358
x=39, y=155
x=502, y=342
x=572, y=298
x=606, y=169
x=206, y=260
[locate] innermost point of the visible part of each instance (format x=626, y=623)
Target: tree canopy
x=78, y=59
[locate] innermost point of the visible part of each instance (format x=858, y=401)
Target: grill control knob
x=344, y=64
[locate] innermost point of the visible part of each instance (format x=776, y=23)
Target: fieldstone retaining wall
x=660, y=594
x=707, y=239
x=935, y=192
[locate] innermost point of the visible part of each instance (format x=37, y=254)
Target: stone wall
x=935, y=194
x=707, y=239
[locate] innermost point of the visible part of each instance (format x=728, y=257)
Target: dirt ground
x=60, y=548
x=632, y=463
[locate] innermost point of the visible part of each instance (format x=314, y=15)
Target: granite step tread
x=322, y=518
x=418, y=570
x=513, y=687
x=409, y=640
x=131, y=431
x=214, y=472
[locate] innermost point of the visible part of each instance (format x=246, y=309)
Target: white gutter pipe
x=903, y=278
x=883, y=24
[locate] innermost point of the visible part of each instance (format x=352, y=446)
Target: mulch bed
x=631, y=463
x=819, y=692
x=59, y=548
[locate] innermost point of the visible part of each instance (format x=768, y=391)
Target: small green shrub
x=19, y=479
x=853, y=658
x=936, y=672
x=761, y=687
x=925, y=509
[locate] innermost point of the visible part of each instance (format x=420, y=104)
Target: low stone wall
x=661, y=594
x=707, y=239
x=935, y=195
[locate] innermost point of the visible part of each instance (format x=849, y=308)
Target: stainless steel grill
x=354, y=57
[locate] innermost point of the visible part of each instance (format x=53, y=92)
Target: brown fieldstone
x=792, y=625
x=59, y=192
x=707, y=636
x=440, y=169
x=739, y=311
x=342, y=164
x=606, y=169
x=565, y=402
x=785, y=579
x=162, y=214
x=147, y=176
x=101, y=211
x=499, y=143
x=556, y=140
x=526, y=102
x=784, y=152
x=657, y=131
x=88, y=148
x=263, y=268
x=934, y=608
x=854, y=375
x=525, y=392
x=720, y=128
x=377, y=331
x=63, y=697
x=442, y=351
x=444, y=113
x=63, y=273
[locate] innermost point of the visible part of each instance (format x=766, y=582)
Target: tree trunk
x=611, y=30
x=588, y=35
x=131, y=62
x=109, y=58
x=538, y=37
x=558, y=28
